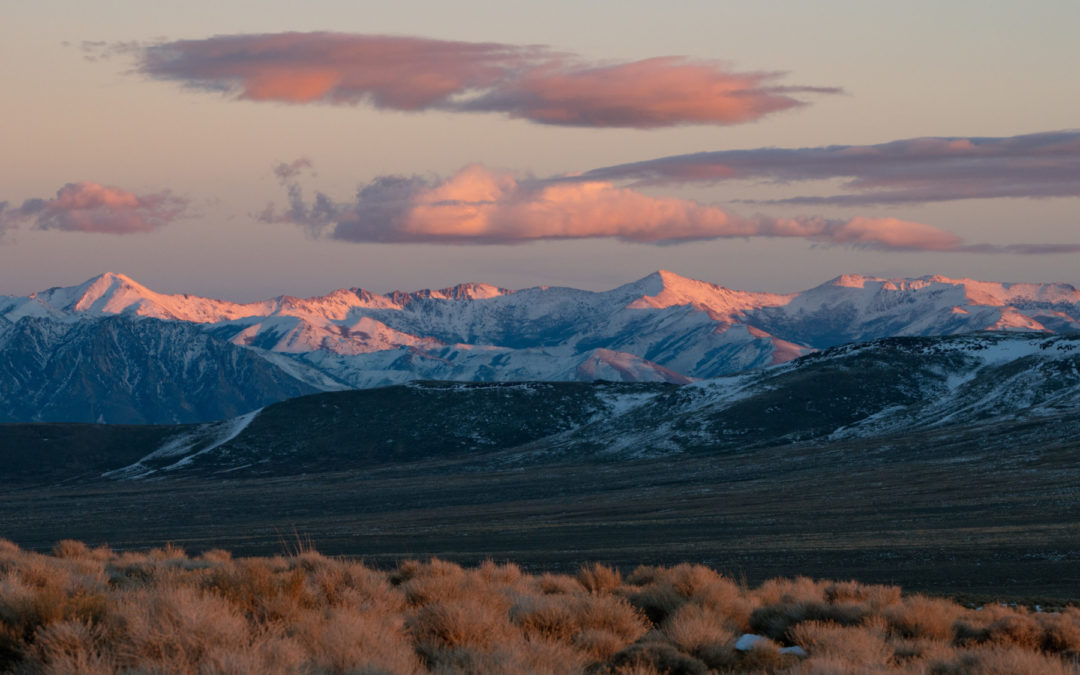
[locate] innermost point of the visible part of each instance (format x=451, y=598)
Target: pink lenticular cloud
x=893, y=233
x=657, y=92
x=909, y=171
x=91, y=207
x=481, y=206
x=414, y=74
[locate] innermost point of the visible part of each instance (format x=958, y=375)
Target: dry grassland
x=83, y=610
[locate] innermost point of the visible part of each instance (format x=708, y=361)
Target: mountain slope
x=889, y=386
x=661, y=328
x=132, y=371
x=957, y=388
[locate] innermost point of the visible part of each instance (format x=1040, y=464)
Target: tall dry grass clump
x=96, y=611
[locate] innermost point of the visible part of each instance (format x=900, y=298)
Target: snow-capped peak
x=466, y=291
x=722, y=304
x=990, y=293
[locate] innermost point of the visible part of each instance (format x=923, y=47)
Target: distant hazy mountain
x=662, y=328
x=972, y=392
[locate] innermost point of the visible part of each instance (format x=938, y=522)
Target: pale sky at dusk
x=246, y=149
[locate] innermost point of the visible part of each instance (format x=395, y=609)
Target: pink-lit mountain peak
x=667, y=289
x=113, y=293
x=466, y=291
x=975, y=292
x=660, y=324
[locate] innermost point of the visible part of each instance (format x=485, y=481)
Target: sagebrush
x=92, y=610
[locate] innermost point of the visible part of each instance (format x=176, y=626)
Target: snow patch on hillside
x=187, y=446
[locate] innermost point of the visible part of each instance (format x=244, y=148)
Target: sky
x=242, y=149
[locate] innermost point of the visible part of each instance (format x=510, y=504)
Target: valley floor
x=979, y=518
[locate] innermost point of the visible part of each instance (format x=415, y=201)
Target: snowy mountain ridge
x=661, y=328
x=969, y=392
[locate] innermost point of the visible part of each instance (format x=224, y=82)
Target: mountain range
x=1014, y=391
x=112, y=350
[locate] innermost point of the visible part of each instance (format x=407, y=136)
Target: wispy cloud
x=480, y=206
x=918, y=170
x=414, y=74
x=91, y=207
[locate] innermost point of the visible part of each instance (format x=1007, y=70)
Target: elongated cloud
x=415, y=74
x=481, y=206
x=917, y=170
x=91, y=207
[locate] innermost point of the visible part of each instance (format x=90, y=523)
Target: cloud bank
x=918, y=170
x=91, y=207
x=416, y=74
x=478, y=205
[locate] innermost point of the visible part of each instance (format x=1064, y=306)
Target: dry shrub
x=723, y=658
x=505, y=574
x=216, y=555
x=657, y=600
x=366, y=642
x=268, y=655
x=662, y=592
x=644, y=575
x=434, y=581
x=919, y=616
x=861, y=646
x=521, y=656
x=995, y=660
x=365, y=589
x=919, y=652
x=254, y=588
x=425, y=590
x=876, y=597
x=726, y=600
x=774, y=621
x=311, y=560
x=693, y=628
x=834, y=665
x=799, y=590
x=597, y=578
x=1061, y=632
x=325, y=584
x=74, y=551
x=71, y=647
x=70, y=548
x=597, y=625
x=172, y=629
x=86, y=610
x=538, y=657
x=765, y=657
x=656, y=657
x=434, y=567
x=39, y=594
x=1018, y=629
x=472, y=622
x=608, y=624
x=599, y=644
x=688, y=579
x=556, y=584
x=170, y=552
x=546, y=617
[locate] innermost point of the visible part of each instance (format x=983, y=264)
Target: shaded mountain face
x=978, y=391
x=662, y=328
x=126, y=371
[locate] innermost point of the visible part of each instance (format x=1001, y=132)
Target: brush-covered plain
x=93, y=610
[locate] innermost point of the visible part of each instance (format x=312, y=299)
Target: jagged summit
x=661, y=327
x=466, y=291
x=722, y=304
